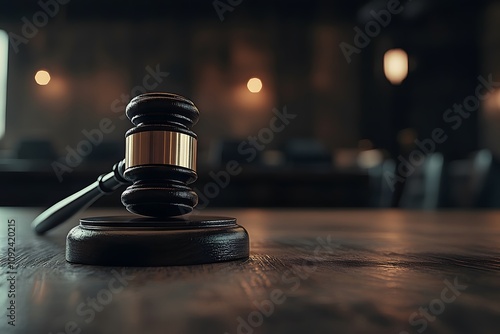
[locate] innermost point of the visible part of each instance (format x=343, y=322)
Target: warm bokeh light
x=492, y=104
x=370, y=158
x=496, y=99
x=396, y=66
x=254, y=85
x=407, y=137
x=42, y=77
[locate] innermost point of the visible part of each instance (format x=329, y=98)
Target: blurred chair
x=425, y=188
x=461, y=193
x=223, y=151
x=306, y=152
x=35, y=149
x=380, y=188
x=485, y=180
x=107, y=151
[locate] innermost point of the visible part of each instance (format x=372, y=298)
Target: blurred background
x=338, y=103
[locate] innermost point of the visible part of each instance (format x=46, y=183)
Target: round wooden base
x=131, y=241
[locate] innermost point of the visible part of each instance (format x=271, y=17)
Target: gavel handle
x=65, y=209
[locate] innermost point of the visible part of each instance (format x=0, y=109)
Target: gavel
x=159, y=165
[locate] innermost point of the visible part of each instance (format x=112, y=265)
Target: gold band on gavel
x=160, y=148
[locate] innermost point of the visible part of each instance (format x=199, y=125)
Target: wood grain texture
x=328, y=271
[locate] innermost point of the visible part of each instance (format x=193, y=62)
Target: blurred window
x=4, y=52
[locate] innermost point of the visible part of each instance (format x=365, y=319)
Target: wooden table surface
x=354, y=271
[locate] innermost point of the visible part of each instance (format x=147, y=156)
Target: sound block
x=131, y=241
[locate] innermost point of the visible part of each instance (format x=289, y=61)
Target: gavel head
x=160, y=155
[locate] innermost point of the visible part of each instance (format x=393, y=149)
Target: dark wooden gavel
x=159, y=165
